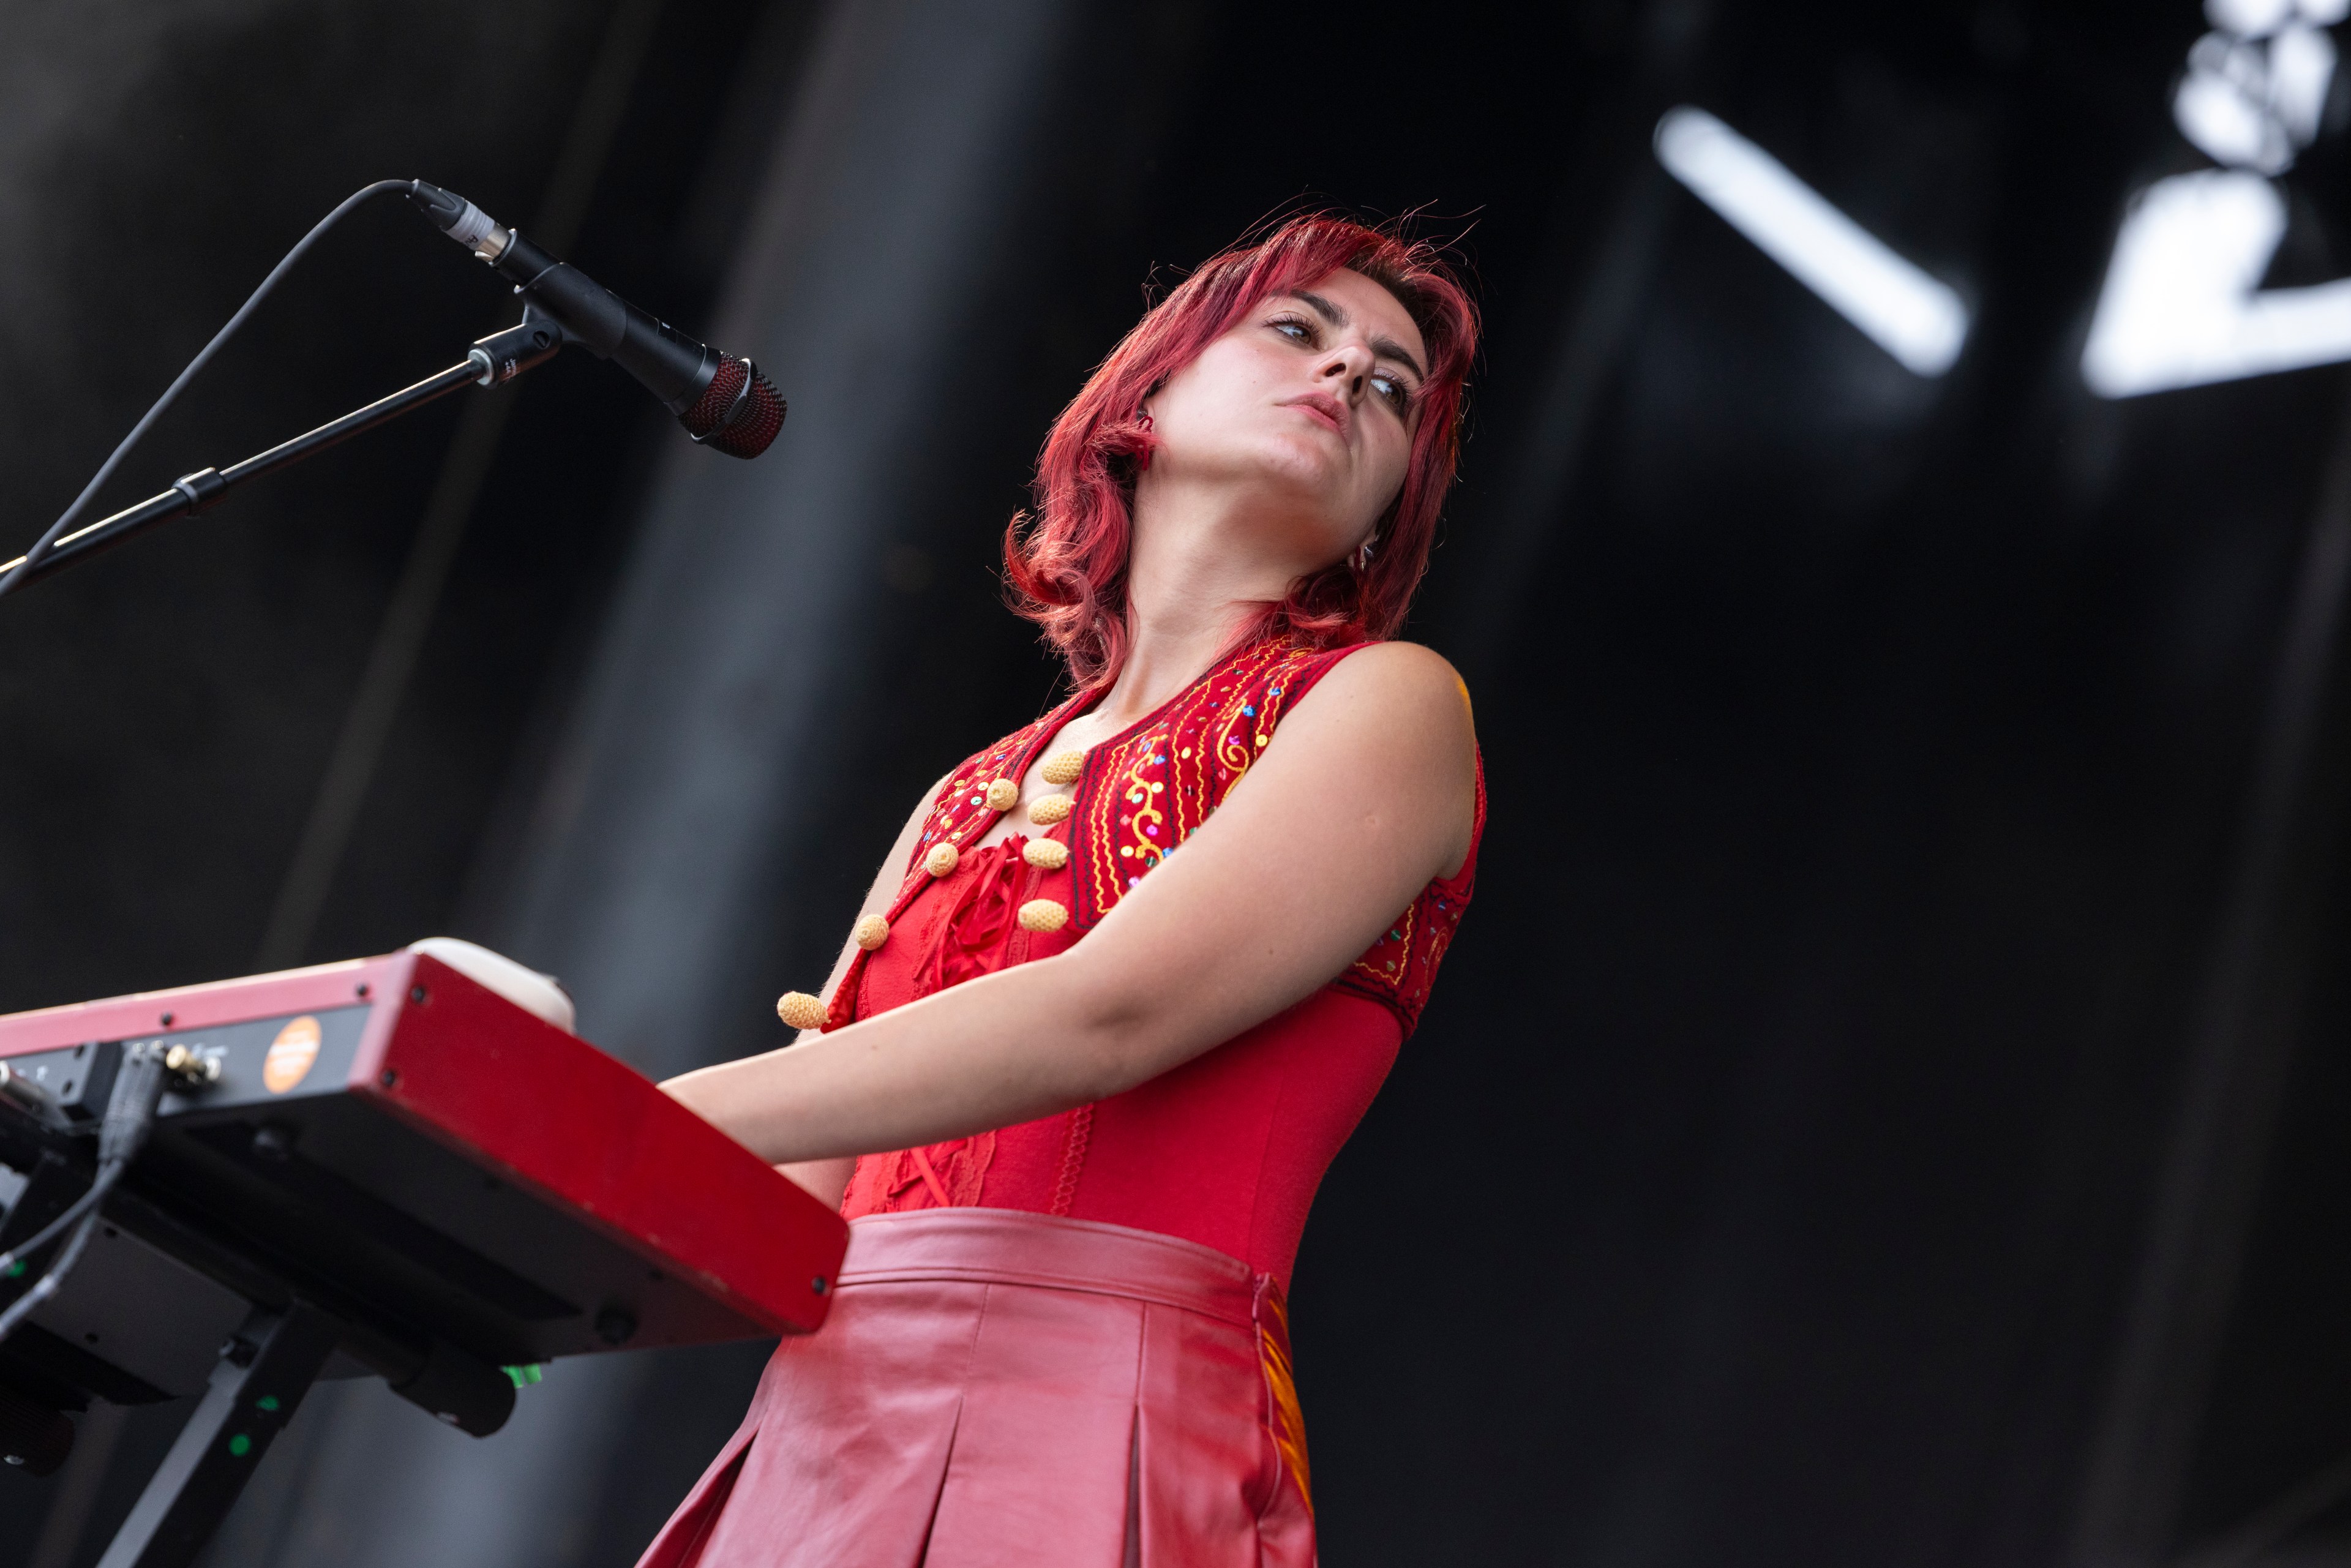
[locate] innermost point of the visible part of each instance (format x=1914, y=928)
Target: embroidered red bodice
x=1227, y=1149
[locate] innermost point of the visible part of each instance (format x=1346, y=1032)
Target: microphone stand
x=492, y=360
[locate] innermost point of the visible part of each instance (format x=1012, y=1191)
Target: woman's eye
x=1291, y=328
x=1398, y=395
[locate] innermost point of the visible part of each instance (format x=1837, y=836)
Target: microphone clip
x=502, y=356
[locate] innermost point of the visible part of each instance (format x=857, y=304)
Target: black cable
x=58, y=529
x=130, y=1117
x=139, y=1086
x=55, y=1275
x=47, y=1233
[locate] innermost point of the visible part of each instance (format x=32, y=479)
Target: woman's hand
x=1366, y=794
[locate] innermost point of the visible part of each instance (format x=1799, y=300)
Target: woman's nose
x=1350, y=365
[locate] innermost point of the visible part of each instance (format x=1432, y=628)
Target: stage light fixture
x=2255, y=91
x=1912, y=315
x=2259, y=18
x=2183, y=305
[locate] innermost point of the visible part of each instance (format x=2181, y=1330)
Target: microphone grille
x=739, y=413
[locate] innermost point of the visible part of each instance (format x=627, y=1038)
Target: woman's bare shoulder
x=1391, y=683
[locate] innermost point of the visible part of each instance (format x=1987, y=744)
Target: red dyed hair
x=1065, y=560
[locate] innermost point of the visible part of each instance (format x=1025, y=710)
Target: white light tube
x=1918, y=319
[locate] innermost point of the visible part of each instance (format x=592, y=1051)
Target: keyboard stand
x=265, y=1369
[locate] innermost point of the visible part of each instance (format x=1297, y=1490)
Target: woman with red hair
x=1073, y=1090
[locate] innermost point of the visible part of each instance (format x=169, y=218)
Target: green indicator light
x=240, y=1446
x=14, y=1269
x=267, y=1402
x=524, y=1376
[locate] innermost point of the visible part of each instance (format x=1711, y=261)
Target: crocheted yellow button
x=1047, y=810
x=1045, y=855
x=870, y=932
x=1043, y=914
x=1063, y=768
x=1003, y=795
x=941, y=861
x=800, y=1010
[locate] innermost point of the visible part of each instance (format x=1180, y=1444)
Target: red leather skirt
x=1003, y=1387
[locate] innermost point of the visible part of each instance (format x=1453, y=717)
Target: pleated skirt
x=998, y=1387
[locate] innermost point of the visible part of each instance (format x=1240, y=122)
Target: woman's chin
x=1303, y=463
x=1305, y=479
x=1287, y=467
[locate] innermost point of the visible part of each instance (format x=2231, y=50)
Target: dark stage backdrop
x=1885, y=1105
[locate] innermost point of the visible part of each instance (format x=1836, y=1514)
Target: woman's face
x=1306, y=409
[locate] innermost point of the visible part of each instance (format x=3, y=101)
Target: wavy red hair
x=1065, y=560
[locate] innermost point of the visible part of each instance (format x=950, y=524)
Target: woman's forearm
x=1006, y=1048
x=1336, y=829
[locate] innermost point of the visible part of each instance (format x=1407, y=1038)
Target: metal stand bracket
x=265, y=1368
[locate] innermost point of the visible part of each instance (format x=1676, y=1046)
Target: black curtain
x=1881, y=1105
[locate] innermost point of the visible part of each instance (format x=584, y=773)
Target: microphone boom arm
x=492, y=361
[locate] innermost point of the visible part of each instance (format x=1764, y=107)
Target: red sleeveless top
x=1227, y=1149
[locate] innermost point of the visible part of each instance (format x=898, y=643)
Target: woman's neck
x=1162, y=659
x=1189, y=594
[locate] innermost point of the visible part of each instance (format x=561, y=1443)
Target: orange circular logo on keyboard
x=291, y=1054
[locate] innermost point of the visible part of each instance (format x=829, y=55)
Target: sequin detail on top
x=1139, y=795
x=1143, y=794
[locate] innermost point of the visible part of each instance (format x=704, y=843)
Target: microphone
x=723, y=401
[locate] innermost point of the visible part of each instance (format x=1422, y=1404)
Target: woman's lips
x=1322, y=407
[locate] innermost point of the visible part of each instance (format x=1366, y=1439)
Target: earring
x=1362, y=561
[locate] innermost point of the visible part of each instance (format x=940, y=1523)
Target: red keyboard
x=441, y=1171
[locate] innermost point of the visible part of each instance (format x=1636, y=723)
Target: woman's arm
x=1366, y=794
x=827, y=1179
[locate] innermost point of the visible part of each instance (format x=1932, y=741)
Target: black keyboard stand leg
x=265, y=1369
